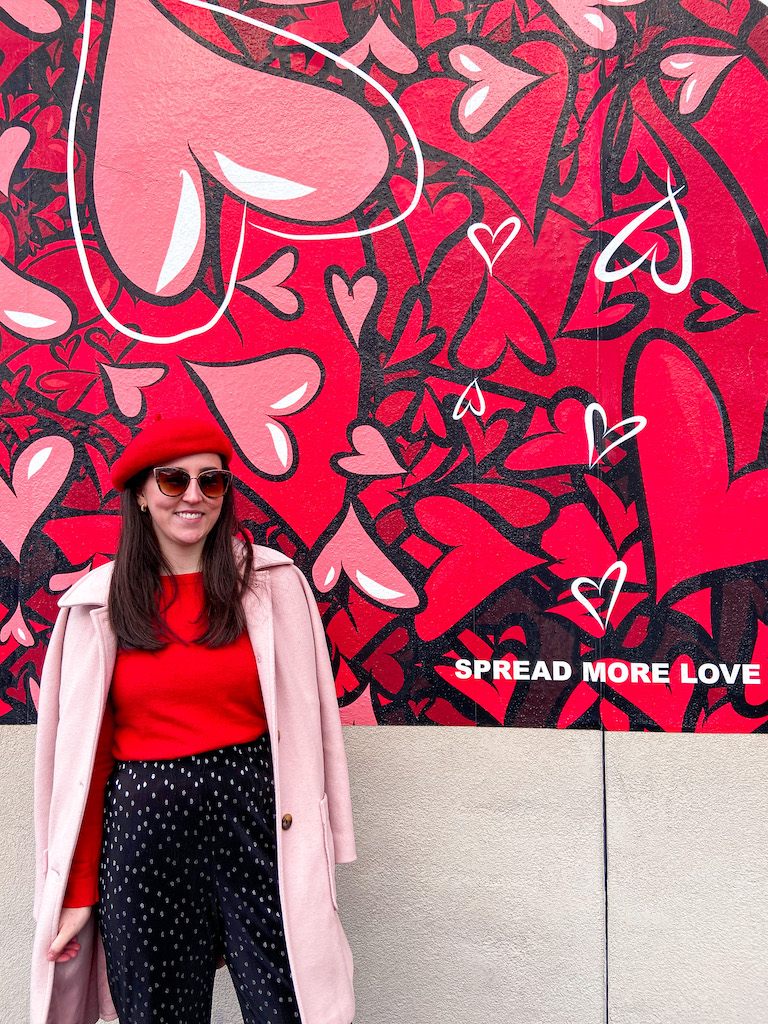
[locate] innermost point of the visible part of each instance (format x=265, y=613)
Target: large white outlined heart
x=72, y=194
x=640, y=422
x=587, y=605
x=603, y=274
x=480, y=226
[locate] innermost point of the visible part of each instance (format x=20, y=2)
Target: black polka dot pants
x=189, y=872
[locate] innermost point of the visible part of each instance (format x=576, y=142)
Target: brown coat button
x=287, y=822
x=278, y=735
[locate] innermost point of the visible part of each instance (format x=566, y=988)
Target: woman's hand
x=65, y=946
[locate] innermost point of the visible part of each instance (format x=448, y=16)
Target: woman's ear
x=142, y=501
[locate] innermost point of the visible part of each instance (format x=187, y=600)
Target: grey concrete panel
x=687, y=878
x=477, y=897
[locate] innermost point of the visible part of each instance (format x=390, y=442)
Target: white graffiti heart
x=464, y=403
x=602, y=273
x=480, y=226
x=638, y=422
x=587, y=604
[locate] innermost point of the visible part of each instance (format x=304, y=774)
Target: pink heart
x=38, y=473
x=126, y=383
x=591, y=26
x=268, y=280
x=13, y=142
x=354, y=299
x=62, y=581
x=388, y=50
x=257, y=133
x=35, y=15
x=28, y=310
x=353, y=551
x=277, y=385
x=497, y=83
x=372, y=454
x=17, y=628
x=698, y=71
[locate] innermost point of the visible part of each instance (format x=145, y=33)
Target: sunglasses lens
x=172, y=482
x=214, y=482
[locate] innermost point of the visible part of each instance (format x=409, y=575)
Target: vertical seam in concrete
x=605, y=873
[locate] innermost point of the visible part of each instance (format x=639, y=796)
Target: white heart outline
x=589, y=425
x=603, y=274
x=482, y=226
x=478, y=412
x=622, y=567
x=74, y=110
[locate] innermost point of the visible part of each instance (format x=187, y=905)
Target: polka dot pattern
x=189, y=872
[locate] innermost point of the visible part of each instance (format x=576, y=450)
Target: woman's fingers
x=65, y=946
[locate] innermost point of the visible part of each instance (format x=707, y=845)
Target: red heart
x=702, y=519
x=481, y=561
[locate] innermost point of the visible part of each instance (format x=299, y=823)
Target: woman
x=187, y=709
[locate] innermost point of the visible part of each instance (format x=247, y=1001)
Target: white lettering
x=463, y=669
x=660, y=672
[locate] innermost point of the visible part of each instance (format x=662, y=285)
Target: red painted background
x=522, y=426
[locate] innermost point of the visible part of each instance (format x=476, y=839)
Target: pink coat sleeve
x=335, y=758
x=45, y=749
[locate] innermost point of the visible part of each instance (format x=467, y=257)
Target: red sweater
x=180, y=700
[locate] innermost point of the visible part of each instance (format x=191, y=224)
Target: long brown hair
x=135, y=593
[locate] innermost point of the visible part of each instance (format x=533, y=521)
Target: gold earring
x=143, y=507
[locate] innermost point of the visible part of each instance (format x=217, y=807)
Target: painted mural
x=476, y=288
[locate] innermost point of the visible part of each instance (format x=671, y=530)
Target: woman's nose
x=193, y=494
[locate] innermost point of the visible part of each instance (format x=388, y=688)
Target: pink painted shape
x=278, y=386
x=38, y=474
x=590, y=25
x=17, y=628
x=372, y=457
x=126, y=383
x=36, y=15
x=698, y=71
x=496, y=84
x=30, y=310
x=62, y=581
x=355, y=301
x=267, y=283
x=385, y=47
x=329, y=150
x=360, y=712
x=13, y=142
x=368, y=568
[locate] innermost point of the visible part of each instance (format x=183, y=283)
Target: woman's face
x=182, y=524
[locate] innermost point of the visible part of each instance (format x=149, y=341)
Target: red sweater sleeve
x=83, y=884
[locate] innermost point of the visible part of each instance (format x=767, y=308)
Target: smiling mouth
x=190, y=515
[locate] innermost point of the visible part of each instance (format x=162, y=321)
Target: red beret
x=165, y=440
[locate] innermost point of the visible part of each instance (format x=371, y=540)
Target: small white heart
x=589, y=424
x=473, y=229
x=587, y=605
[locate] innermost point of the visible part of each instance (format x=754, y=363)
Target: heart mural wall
x=478, y=293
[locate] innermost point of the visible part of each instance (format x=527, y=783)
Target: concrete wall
x=479, y=892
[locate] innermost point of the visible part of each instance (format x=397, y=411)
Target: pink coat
x=311, y=785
